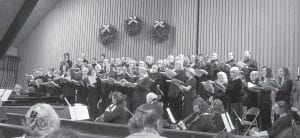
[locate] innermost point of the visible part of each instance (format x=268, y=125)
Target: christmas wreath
x=107, y=34
x=160, y=31
x=133, y=25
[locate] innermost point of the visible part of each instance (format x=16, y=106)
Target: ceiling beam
x=16, y=26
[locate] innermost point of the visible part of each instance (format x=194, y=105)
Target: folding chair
x=252, y=111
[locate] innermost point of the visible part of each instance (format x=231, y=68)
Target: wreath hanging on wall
x=160, y=31
x=107, y=34
x=133, y=25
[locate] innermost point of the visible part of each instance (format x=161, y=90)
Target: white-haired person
x=41, y=120
x=146, y=122
x=220, y=86
x=234, y=94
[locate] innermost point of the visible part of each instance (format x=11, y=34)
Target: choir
x=196, y=88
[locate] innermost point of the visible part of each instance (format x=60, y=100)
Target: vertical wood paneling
x=72, y=26
x=268, y=28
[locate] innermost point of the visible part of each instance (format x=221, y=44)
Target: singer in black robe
x=141, y=90
x=175, y=95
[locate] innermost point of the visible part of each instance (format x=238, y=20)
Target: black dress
x=284, y=92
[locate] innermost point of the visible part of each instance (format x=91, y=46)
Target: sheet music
x=1, y=92
x=251, y=85
x=79, y=112
x=227, y=122
x=6, y=95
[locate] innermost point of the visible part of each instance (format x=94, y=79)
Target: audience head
x=247, y=55
x=231, y=56
x=284, y=73
x=200, y=105
x=234, y=72
x=147, y=117
x=64, y=133
x=281, y=107
x=151, y=97
x=254, y=76
x=222, y=77
x=41, y=119
x=266, y=72
x=18, y=89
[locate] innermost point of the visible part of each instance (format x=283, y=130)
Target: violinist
x=200, y=120
x=216, y=109
x=189, y=92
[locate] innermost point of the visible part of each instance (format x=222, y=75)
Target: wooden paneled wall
x=268, y=28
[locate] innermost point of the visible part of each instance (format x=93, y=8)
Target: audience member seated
x=18, y=90
x=284, y=121
x=153, y=98
x=41, y=120
x=116, y=112
x=146, y=122
x=200, y=120
x=64, y=133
